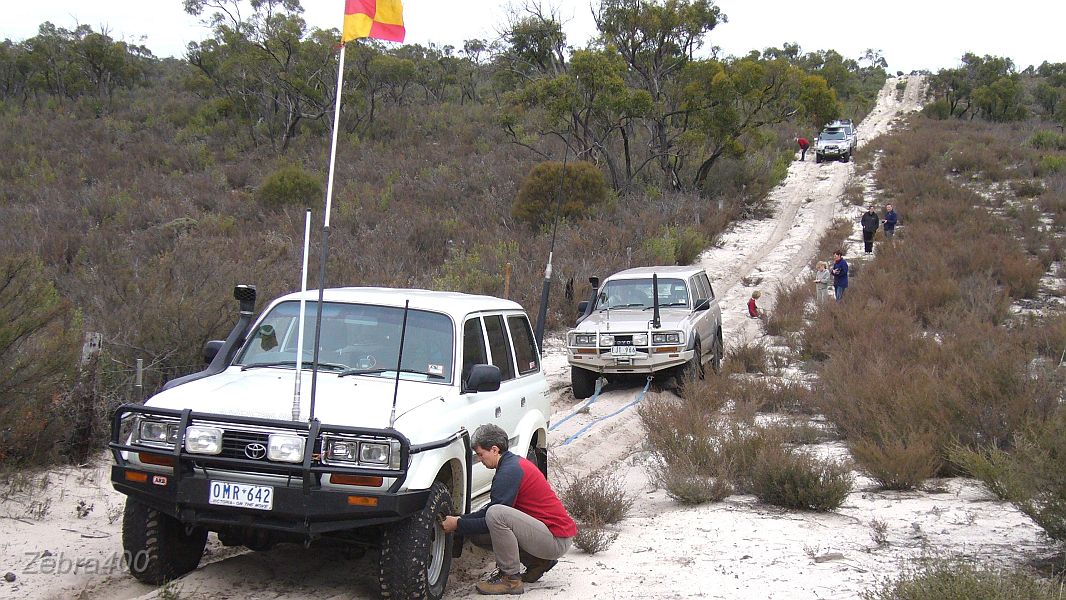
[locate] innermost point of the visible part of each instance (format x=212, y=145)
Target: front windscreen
x=637, y=294
x=833, y=135
x=357, y=339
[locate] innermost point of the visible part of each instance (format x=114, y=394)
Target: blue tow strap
x=595, y=395
x=603, y=418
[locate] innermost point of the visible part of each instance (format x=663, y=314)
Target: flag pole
x=325, y=233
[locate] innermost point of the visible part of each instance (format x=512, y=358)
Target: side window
x=706, y=283
x=699, y=288
x=473, y=346
x=525, y=350
x=499, y=346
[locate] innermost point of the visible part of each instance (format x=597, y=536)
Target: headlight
x=606, y=339
x=582, y=339
x=382, y=454
x=285, y=448
x=157, y=433
x=374, y=453
x=203, y=440
x=640, y=339
x=671, y=337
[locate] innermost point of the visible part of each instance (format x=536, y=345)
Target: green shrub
x=937, y=109
x=40, y=341
x=1030, y=475
x=676, y=246
x=1027, y=188
x=289, y=186
x=898, y=463
x=797, y=480
x=1048, y=140
x=952, y=580
x=1051, y=164
x=546, y=189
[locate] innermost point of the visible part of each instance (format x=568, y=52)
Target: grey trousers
x=515, y=538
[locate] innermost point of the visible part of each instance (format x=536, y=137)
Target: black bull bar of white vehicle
x=301, y=505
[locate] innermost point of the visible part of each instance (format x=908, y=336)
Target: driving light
x=606, y=339
x=640, y=339
x=285, y=448
x=203, y=440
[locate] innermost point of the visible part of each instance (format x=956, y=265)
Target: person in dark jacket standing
x=870, y=222
x=803, y=144
x=524, y=522
x=840, y=274
x=889, y=222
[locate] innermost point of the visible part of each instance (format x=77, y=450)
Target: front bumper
x=303, y=503
x=832, y=151
x=317, y=512
x=602, y=361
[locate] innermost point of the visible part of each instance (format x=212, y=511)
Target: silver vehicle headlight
x=667, y=337
x=640, y=339
x=582, y=339
x=282, y=447
x=606, y=339
x=157, y=433
x=203, y=440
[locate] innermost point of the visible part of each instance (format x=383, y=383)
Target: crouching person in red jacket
x=524, y=522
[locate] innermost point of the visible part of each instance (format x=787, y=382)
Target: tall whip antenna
x=546, y=290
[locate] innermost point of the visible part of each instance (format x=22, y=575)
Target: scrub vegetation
x=145, y=188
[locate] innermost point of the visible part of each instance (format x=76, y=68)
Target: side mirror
x=702, y=304
x=582, y=307
x=483, y=378
x=211, y=350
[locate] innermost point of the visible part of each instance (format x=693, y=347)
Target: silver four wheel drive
x=647, y=320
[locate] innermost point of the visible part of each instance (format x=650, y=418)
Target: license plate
x=623, y=351
x=241, y=495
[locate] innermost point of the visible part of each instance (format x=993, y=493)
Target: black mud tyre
x=692, y=371
x=538, y=456
x=158, y=547
x=717, y=353
x=817, y=158
x=583, y=382
x=416, y=554
x=845, y=157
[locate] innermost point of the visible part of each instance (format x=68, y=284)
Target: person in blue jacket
x=889, y=222
x=840, y=274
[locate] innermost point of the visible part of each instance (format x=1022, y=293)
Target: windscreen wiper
x=633, y=305
x=348, y=372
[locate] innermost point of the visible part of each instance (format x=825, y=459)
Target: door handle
x=498, y=412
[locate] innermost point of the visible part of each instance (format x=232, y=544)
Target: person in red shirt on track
x=524, y=522
x=803, y=144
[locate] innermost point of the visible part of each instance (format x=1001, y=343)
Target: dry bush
x=752, y=357
x=693, y=484
x=790, y=301
x=797, y=480
x=593, y=538
x=900, y=463
x=853, y=193
x=790, y=396
x=598, y=497
x=941, y=579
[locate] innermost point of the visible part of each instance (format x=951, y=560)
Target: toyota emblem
x=255, y=451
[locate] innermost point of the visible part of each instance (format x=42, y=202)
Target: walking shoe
x=537, y=568
x=501, y=583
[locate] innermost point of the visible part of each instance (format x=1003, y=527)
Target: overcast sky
x=912, y=34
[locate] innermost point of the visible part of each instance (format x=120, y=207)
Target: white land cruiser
x=646, y=320
x=381, y=455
